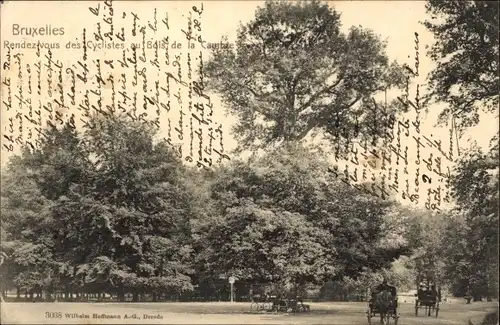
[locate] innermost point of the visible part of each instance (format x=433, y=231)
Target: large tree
x=106, y=210
x=425, y=232
x=31, y=184
x=283, y=218
x=134, y=210
x=26, y=238
x=466, y=78
x=472, y=247
x=466, y=52
x=293, y=71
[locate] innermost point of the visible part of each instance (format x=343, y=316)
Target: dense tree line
x=110, y=209
x=106, y=210
x=466, y=79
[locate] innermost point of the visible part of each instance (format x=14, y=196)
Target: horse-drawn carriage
x=428, y=298
x=278, y=304
x=384, y=303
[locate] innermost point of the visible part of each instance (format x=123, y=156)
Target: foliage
x=475, y=181
x=293, y=71
x=283, y=218
x=399, y=273
x=111, y=209
x=26, y=225
x=104, y=209
x=472, y=245
x=466, y=77
x=425, y=232
x=466, y=52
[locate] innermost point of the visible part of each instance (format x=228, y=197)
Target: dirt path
x=224, y=313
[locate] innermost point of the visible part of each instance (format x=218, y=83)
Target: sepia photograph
x=249, y=162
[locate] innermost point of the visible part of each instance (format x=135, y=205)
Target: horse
x=430, y=300
x=382, y=301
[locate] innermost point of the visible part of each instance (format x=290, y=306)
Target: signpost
x=231, y=281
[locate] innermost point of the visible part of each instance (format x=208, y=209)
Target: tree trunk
x=18, y=293
x=135, y=297
x=121, y=294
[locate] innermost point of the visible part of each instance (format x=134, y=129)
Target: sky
x=395, y=21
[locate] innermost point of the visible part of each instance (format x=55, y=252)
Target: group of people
x=428, y=292
x=424, y=291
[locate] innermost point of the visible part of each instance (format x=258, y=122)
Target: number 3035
x=53, y=315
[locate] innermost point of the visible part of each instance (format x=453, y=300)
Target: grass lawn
x=229, y=313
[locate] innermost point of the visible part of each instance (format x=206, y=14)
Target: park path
x=224, y=313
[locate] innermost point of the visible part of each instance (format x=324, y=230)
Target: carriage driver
x=385, y=286
x=382, y=286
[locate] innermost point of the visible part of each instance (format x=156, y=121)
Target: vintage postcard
x=249, y=162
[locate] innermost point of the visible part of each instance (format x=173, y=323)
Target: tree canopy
x=293, y=72
x=107, y=208
x=283, y=218
x=466, y=53
x=473, y=231
x=466, y=78
x=112, y=209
